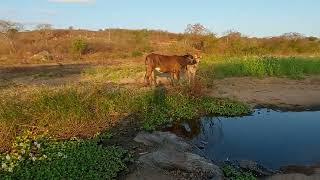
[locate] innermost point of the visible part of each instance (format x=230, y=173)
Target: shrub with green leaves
x=79, y=46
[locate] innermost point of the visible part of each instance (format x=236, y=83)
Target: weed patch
x=232, y=173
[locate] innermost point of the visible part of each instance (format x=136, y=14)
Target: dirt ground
x=271, y=92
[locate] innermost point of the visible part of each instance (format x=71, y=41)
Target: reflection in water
x=179, y=129
x=274, y=139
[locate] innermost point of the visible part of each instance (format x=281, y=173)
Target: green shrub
x=79, y=46
x=136, y=53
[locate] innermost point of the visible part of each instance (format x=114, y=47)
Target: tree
x=79, y=46
x=198, y=36
x=196, y=29
x=9, y=30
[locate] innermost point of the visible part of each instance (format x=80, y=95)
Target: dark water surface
x=272, y=138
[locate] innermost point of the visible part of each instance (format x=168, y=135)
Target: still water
x=272, y=138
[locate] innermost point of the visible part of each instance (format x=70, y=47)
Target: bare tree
x=44, y=31
x=44, y=26
x=197, y=29
x=196, y=35
x=293, y=36
x=9, y=30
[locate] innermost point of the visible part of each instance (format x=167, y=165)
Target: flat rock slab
x=163, y=140
x=176, y=160
x=172, y=153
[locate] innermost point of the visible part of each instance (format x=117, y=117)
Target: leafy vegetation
x=232, y=173
x=41, y=157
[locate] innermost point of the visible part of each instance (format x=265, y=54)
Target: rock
x=254, y=167
x=163, y=139
x=42, y=56
x=293, y=176
x=200, y=146
x=186, y=127
x=148, y=173
x=169, y=159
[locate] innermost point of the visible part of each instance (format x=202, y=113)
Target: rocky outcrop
x=170, y=159
x=163, y=140
x=173, y=153
x=42, y=56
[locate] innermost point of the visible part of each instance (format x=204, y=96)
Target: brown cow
x=166, y=64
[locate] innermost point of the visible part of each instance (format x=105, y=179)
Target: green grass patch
x=113, y=73
x=40, y=157
x=165, y=108
x=291, y=67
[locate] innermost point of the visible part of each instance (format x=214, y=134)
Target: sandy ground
x=272, y=92
x=279, y=92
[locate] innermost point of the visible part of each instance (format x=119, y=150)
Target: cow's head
x=191, y=60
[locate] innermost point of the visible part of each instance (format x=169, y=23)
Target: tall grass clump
x=166, y=107
x=291, y=67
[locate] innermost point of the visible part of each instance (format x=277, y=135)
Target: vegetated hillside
x=69, y=45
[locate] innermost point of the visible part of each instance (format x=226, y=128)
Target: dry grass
x=124, y=44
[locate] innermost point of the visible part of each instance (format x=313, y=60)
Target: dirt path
x=280, y=92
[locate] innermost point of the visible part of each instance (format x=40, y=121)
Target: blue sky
x=251, y=17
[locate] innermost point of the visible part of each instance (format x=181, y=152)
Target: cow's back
x=163, y=62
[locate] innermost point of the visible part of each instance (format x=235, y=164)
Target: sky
x=251, y=17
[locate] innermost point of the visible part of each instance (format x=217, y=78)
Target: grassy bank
x=69, y=111
x=292, y=67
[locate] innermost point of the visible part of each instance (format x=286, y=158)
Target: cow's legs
x=154, y=78
x=148, y=76
x=172, y=76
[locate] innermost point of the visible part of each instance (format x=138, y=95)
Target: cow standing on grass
x=166, y=64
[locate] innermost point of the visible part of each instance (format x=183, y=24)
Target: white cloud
x=72, y=1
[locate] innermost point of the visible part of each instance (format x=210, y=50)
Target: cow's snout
x=193, y=61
